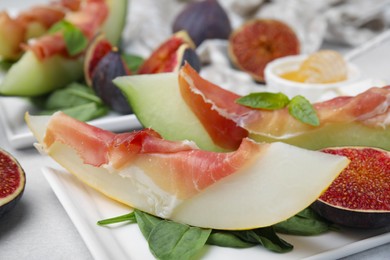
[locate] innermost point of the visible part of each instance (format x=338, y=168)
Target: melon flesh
x=157, y=103
x=258, y=185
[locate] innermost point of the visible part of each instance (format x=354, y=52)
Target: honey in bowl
x=324, y=66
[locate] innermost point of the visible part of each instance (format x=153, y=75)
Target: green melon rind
x=336, y=135
x=157, y=103
x=116, y=21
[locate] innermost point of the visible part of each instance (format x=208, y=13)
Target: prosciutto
x=370, y=108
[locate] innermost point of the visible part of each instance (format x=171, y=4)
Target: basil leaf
x=133, y=62
x=146, y=222
x=86, y=112
x=75, y=100
x=300, y=108
x=72, y=95
x=83, y=112
x=127, y=217
x=265, y=237
x=264, y=100
x=74, y=38
x=305, y=223
x=5, y=65
x=227, y=239
x=170, y=240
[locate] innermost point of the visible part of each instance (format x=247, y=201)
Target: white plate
x=85, y=207
x=12, y=110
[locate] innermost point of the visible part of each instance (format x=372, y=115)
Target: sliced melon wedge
x=32, y=77
x=157, y=103
x=258, y=185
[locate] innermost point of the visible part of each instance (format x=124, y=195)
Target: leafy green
x=265, y=236
x=299, y=107
x=127, y=217
x=133, y=62
x=76, y=100
x=74, y=38
x=264, y=100
x=146, y=222
x=170, y=240
x=227, y=239
x=6, y=64
x=305, y=223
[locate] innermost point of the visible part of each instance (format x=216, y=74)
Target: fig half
x=12, y=182
x=171, y=55
x=260, y=41
x=360, y=196
x=96, y=50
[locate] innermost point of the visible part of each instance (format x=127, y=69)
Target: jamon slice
x=344, y=121
x=256, y=185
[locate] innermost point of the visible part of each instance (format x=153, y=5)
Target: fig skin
x=171, y=55
x=359, y=197
x=203, y=20
x=189, y=55
x=8, y=162
x=110, y=67
x=352, y=218
x=96, y=50
x=259, y=41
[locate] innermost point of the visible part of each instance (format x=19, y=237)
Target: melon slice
x=255, y=186
x=157, y=103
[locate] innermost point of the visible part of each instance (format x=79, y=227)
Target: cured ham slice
x=360, y=120
x=89, y=19
x=30, y=23
x=176, y=180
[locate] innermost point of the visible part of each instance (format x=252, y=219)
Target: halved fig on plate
x=12, y=182
x=360, y=196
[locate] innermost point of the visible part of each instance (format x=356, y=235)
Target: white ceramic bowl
x=313, y=92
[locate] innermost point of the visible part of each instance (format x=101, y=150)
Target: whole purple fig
x=203, y=20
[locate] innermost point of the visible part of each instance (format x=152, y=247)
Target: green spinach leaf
x=74, y=38
x=305, y=223
x=266, y=237
x=133, y=62
x=130, y=217
x=76, y=100
x=227, y=239
x=170, y=240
